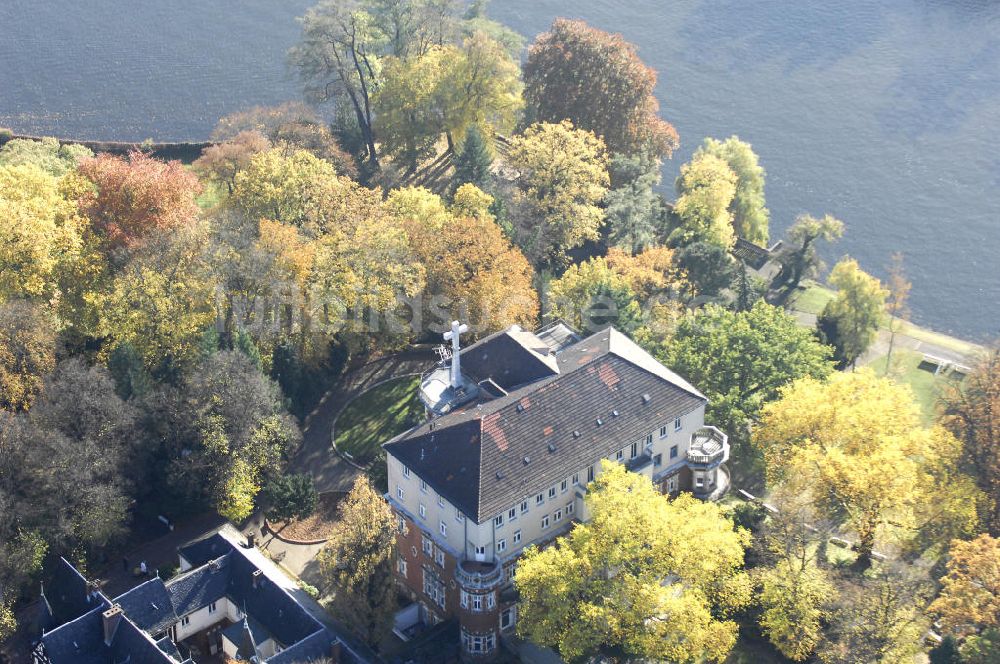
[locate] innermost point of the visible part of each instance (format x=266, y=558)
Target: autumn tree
x=850, y=321
x=653, y=577
x=971, y=410
x=794, y=589
x=27, y=352
x=897, y=306
x=221, y=162
x=750, y=215
x=705, y=190
x=836, y=440
x=40, y=231
x=741, y=360
x=339, y=59
x=137, y=195
x=47, y=154
x=969, y=602
x=799, y=259
x=591, y=295
x=562, y=177
x=472, y=271
x=356, y=563
x=597, y=81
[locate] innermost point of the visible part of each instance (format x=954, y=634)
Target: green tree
x=653, y=577
x=982, y=649
x=710, y=268
x=741, y=361
x=946, y=652
x=634, y=210
x=356, y=563
x=798, y=258
x=339, y=59
x=592, y=294
x=47, y=154
x=595, y=80
x=856, y=313
x=290, y=497
x=750, y=215
x=126, y=367
x=705, y=189
x=27, y=352
x=562, y=177
x=473, y=162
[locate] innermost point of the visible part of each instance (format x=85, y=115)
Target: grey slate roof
x=81, y=641
x=488, y=456
x=208, y=548
x=311, y=649
x=199, y=587
x=67, y=595
x=509, y=358
x=149, y=605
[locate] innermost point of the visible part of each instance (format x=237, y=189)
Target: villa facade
x=518, y=427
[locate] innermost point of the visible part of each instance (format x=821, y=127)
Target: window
x=545, y=522
x=443, y=527
x=634, y=452
x=673, y=451
x=477, y=602
x=539, y=499
x=649, y=439
x=212, y=607
x=399, y=492
x=564, y=486
x=672, y=485
x=423, y=511
x=406, y=471
x=423, y=486
x=552, y=492
x=576, y=478
x=677, y=424
x=440, y=501
x=498, y=521
x=439, y=557
x=401, y=565
x=517, y=537
x=658, y=460
x=458, y=515
x=400, y=525
x=512, y=514
x=663, y=432
x=426, y=545
x=699, y=480
x=620, y=455
x=481, y=550
x=557, y=516
x=478, y=643
x=570, y=507
x=590, y=474
x=524, y=507
x=507, y=618
x=185, y=621
x=464, y=599
x=491, y=600
x=501, y=546
x=434, y=587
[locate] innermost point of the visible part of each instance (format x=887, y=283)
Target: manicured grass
x=906, y=369
x=376, y=416
x=810, y=299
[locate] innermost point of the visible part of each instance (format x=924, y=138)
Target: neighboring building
x=226, y=600
x=520, y=423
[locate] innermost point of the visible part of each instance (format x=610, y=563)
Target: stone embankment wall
x=186, y=152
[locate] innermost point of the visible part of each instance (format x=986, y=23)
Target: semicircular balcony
x=475, y=575
x=709, y=448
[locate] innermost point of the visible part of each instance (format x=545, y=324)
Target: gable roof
x=510, y=358
x=68, y=595
x=149, y=605
x=200, y=551
x=81, y=641
x=489, y=455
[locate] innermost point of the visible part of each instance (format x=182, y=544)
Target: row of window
x=477, y=603
x=479, y=644
x=434, y=586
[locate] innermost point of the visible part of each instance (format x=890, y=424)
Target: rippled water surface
x=884, y=114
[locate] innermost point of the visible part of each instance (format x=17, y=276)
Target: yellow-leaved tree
x=856, y=444
x=969, y=602
x=651, y=576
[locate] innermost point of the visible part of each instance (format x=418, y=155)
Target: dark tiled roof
x=269, y=604
x=753, y=255
x=486, y=457
x=81, y=641
x=311, y=649
x=201, y=586
x=169, y=647
x=509, y=358
x=201, y=551
x=149, y=605
x=66, y=596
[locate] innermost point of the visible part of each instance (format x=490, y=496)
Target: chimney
x=111, y=618
x=215, y=565
x=258, y=576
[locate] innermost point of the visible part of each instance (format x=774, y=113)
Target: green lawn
x=906, y=369
x=810, y=299
x=376, y=416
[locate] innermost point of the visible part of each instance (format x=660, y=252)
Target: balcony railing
x=479, y=575
x=708, y=446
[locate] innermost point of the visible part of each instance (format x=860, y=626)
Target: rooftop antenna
x=452, y=336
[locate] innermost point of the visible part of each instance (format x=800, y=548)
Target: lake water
x=885, y=114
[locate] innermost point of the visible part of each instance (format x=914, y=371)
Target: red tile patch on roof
x=491, y=427
x=608, y=375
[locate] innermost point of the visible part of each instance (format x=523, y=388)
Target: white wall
x=203, y=619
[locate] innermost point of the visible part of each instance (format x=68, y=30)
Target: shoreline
x=185, y=151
